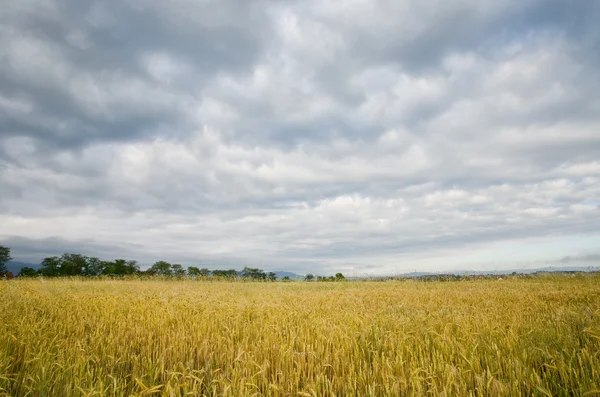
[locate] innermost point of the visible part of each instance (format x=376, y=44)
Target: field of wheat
x=75, y=337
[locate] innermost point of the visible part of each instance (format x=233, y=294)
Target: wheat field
x=76, y=337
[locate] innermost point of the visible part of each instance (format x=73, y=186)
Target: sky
x=366, y=137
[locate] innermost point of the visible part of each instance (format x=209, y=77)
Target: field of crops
x=75, y=337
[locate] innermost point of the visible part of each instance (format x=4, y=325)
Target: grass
x=74, y=337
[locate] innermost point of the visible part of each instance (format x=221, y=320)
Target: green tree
x=148, y=272
x=50, y=266
x=120, y=267
x=272, y=276
x=286, y=278
x=309, y=277
x=253, y=273
x=116, y=267
x=28, y=272
x=161, y=268
x=227, y=274
x=93, y=267
x=72, y=264
x=339, y=277
x=196, y=272
x=132, y=267
x=193, y=271
x=178, y=270
x=110, y=268
x=106, y=267
x=4, y=257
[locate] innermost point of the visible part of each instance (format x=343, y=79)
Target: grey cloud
x=91, y=71
x=593, y=258
x=298, y=136
x=33, y=249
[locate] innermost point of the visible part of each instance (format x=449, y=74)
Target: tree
x=228, y=274
x=193, y=271
x=286, y=278
x=309, y=277
x=50, y=266
x=178, y=270
x=148, y=272
x=162, y=268
x=72, y=264
x=132, y=267
x=253, y=273
x=28, y=272
x=339, y=277
x=107, y=267
x=120, y=267
x=4, y=257
x=272, y=276
x=93, y=267
x=111, y=267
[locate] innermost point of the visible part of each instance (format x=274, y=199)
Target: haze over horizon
x=365, y=137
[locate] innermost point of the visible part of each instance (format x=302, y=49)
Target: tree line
x=81, y=265
x=312, y=277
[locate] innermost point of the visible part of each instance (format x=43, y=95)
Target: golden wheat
x=75, y=337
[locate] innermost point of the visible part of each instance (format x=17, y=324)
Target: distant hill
x=15, y=266
x=548, y=269
x=292, y=276
x=417, y=274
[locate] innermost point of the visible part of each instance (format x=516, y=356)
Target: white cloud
x=363, y=137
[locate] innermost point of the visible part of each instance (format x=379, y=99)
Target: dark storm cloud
x=32, y=249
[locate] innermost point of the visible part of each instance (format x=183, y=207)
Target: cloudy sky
x=368, y=137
